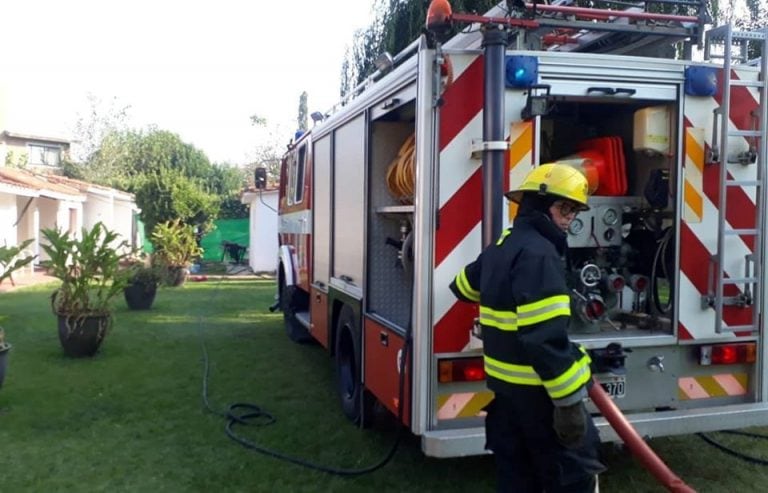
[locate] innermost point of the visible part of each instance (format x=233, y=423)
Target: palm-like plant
x=10, y=261
x=175, y=243
x=88, y=267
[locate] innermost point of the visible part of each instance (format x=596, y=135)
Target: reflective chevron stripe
x=707, y=387
x=462, y=404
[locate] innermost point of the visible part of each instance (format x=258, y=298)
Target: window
x=44, y=155
x=296, y=176
x=300, y=174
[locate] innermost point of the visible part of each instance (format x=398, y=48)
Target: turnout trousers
x=529, y=458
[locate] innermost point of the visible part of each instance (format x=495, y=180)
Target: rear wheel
x=356, y=403
x=292, y=300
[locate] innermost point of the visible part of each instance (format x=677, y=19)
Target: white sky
x=199, y=69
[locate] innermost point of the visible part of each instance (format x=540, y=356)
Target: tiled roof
x=44, y=187
x=10, y=186
x=84, y=186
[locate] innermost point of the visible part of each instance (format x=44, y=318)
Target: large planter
x=81, y=336
x=176, y=276
x=4, y=362
x=140, y=296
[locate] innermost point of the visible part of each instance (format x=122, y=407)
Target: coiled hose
x=400, y=174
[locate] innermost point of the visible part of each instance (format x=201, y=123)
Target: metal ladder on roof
x=735, y=47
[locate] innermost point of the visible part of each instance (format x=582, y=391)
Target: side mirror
x=260, y=178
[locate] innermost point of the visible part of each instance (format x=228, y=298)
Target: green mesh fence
x=232, y=232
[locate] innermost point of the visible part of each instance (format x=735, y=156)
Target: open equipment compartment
x=621, y=259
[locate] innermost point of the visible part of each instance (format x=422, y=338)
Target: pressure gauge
x=590, y=275
x=577, y=225
x=610, y=216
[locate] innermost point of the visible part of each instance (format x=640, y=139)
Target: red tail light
x=461, y=370
x=728, y=354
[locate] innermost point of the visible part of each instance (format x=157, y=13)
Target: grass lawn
x=131, y=418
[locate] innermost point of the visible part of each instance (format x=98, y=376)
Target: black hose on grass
x=248, y=414
x=736, y=453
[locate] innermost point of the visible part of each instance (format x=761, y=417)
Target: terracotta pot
x=82, y=336
x=140, y=296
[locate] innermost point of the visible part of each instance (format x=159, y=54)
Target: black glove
x=570, y=424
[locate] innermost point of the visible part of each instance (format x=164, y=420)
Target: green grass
x=131, y=418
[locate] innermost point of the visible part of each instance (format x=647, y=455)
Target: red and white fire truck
x=395, y=190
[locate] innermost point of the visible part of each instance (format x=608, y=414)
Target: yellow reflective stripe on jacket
x=566, y=384
x=503, y=320
x=507, y=372
x=571, y=380
x=504, y=234
x=466, y=289
x=542, y=310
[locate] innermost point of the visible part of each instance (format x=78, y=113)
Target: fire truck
x=394, y=190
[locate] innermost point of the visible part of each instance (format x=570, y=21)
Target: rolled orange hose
x=636, y=444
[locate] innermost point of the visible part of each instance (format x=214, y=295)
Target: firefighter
x=541, y=435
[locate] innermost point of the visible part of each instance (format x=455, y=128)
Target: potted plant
x=11, y=260
x=175, y=248
x=89, y=270
x=142, y=286
x=4, y=349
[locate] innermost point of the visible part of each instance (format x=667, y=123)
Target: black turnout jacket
x=519, y=282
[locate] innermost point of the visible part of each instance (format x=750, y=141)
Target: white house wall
x=29, y=221
x=98, y=208
x=7, y=219
x=122, y=224
x=262, y=251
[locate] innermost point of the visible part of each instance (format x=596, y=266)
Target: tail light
x=728, y=354
x=461, y=370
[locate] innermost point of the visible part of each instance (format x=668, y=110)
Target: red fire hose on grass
x=636, y=444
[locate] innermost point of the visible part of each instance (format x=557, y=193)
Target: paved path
x=23, y=280
x=40, y=277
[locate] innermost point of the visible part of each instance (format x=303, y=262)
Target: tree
x=395, y=25
x=168, y=194
x=227, y=181
x=269, y=151
x=99, y=120
x=301, y=121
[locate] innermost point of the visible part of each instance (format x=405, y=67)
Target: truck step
x=303, y=318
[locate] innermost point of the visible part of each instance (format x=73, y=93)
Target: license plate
x=614, y=385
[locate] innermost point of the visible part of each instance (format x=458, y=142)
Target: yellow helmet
x=554, y=179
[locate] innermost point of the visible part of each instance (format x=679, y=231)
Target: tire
x=356, y=402
x=293, y=299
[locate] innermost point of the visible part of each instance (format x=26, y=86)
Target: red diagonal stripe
x=459, y=215
x=694, y=263
x=683, y=334
x=742, y=102
x=452, y=331
x=740, y=211
x=462, y=101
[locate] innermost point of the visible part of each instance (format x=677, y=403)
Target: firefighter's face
x=563, y=212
